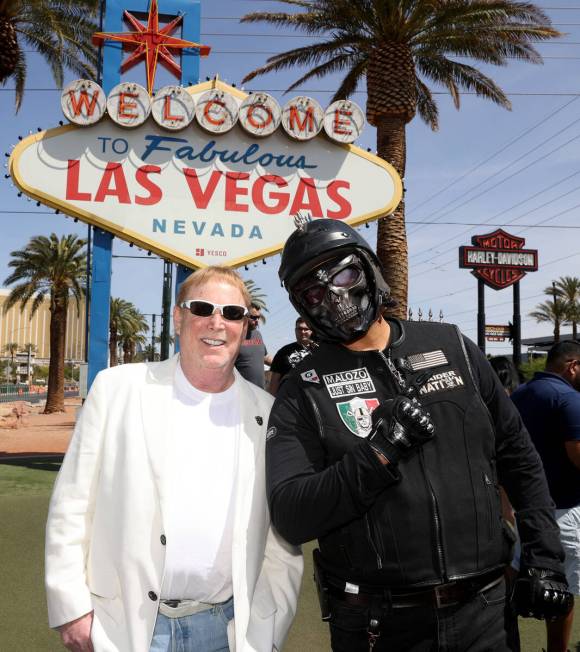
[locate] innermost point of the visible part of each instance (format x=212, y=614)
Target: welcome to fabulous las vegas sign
x=205, y=174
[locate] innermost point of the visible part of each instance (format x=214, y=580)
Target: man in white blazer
x=158, y=532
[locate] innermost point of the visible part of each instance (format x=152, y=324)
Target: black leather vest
x=442, y=521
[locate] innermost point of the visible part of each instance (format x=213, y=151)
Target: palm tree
x=60, y=30
x=132, y=333
x=54, y=268
x=399, y=46
x=568, y=289
x=121, y=320
x=257, y=297
x=12, y=349
x=553, y=312
x=30, y=348
x=147, y=354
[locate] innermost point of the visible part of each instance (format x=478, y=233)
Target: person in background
x=158, y=528
x=550, y=407
x=507, y=373
x=387, y=444
x=291, y=354
x=253, y=354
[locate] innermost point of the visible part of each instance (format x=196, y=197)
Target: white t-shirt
x=199, y=476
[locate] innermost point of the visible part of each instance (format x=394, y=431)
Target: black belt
x=442, y=595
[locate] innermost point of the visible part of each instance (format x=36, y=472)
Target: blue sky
x=485, y=167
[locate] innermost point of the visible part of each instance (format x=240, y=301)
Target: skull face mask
x=337, y=299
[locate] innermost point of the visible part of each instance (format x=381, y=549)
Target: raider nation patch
x=349, y=383
x=356, y=414
x=442, y=381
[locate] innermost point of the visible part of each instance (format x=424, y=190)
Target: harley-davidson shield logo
x=356, y=414
x=498, y=259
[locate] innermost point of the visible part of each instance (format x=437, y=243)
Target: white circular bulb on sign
x=216, y=111
x=129, y=104
x=83, y=102
x=173, y=108
x=302, y=118
x=260, y=114
x=344, y=121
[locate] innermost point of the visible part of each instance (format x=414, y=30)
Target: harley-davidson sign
x=203, y=175
x=498, y=259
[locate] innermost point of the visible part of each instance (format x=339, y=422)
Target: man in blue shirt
x=550, y=408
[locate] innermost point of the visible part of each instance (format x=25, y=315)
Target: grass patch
x=27, y=478
x=22, y=600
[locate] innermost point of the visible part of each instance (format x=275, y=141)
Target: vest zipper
x=372, y=541
x=436, y=517
x=436, y=521
x=488, y=489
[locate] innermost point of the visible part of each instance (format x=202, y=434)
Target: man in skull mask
x=406, y=511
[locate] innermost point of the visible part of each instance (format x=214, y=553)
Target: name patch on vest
x=441, y=382
x=349, y=383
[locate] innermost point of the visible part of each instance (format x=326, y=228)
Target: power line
x=492, y=156
x=506, y=178
x=510, y=208
x=567, y=210
x=320, y=90
x=549, y=139
x=273, y=52
x=527, y=226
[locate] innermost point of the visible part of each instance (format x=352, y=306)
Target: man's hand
x=76, y=635
x=400, y=427
x=542, y=594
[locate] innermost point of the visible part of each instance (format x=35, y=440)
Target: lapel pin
x=259, y=420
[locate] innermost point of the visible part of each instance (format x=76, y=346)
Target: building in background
x=17, y=327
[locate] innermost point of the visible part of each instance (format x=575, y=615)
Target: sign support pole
x=98, y=340
x=181, y=275
x=166, y=312
x=517, y=335
x=481, y=315
x=100, y=301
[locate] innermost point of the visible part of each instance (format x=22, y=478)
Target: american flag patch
x=427, y=360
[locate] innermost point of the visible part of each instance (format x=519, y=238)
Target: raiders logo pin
x=310, y=376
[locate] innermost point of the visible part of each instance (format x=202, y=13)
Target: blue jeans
x=483, y=624
x=205, y=631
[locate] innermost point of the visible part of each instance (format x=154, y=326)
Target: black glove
x=400, y=427
x=542, y=594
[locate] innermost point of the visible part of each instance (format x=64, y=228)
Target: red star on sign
x=151, y=43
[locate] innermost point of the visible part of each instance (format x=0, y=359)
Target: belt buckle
x=441, y=599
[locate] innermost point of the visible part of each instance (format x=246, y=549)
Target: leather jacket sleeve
x=520, y=471
x=306, y=499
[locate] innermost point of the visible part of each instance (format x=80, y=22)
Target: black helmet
x=317, y=242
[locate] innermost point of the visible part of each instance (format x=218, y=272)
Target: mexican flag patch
x=356, y=414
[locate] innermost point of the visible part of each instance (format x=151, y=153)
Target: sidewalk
x=37, y=433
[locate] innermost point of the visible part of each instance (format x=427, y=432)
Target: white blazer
x=104, y=544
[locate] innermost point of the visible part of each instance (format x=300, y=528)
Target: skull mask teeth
x=336, y=293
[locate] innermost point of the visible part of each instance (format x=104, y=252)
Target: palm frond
x=426, y=106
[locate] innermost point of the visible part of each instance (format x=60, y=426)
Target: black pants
x=483, y=624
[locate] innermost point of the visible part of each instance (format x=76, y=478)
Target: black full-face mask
x=338, y=298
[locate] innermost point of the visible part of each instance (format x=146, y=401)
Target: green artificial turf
x=24, y=494
x=27, y=478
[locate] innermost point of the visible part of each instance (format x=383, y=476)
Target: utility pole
x=556, y=316
x=166, y=316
